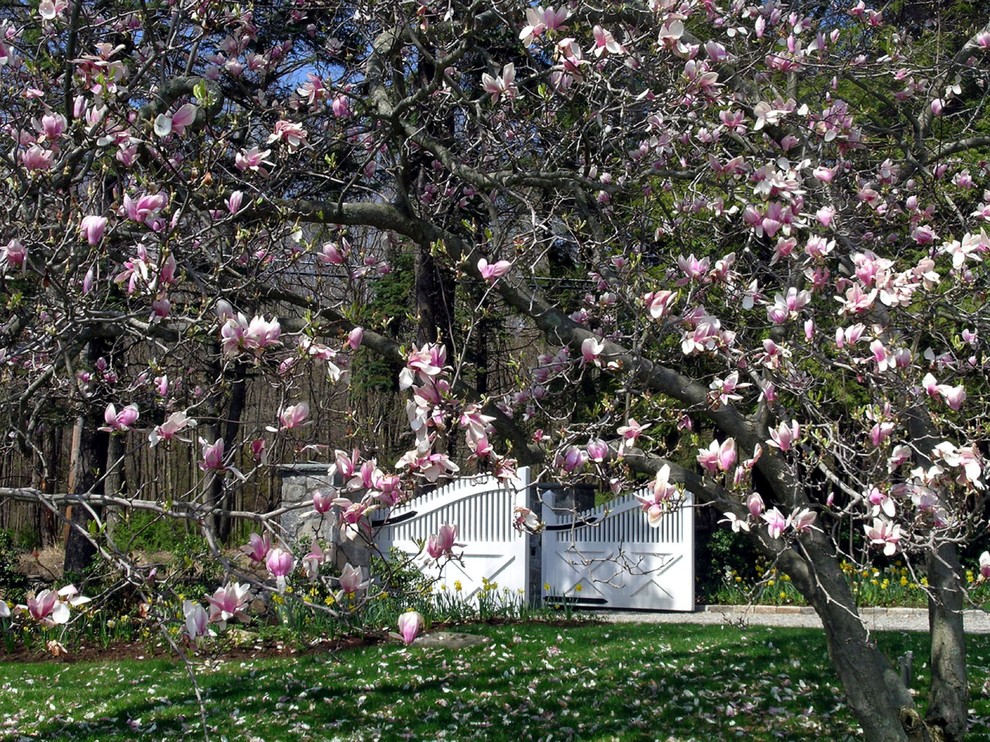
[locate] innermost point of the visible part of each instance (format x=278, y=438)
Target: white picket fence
x=606, y=557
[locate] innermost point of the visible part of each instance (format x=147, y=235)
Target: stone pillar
x=299, y=482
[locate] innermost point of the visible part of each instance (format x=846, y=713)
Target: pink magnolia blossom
x=693, y=269
x=856, y=301
x=229, y=602
x=52, y=126
x=754, y=503
x=253, y=160
x=355, y=337
x=345, y=464
x=13, y=254
x=313, y=559
x=36, y=158
x=591, y=349
x=212, y=455
x=661, y=497
x=776, y=522
x=597, y=450
x=258, y=546
x=353, y=520
x=234, y=201
x=718, y=457
x=985, y=565
x=954, y=396
x=177, y=122
x=881, y=502
x=504, y=84
x=736, y=523
x=424, y=364
x=967, y=458
x=92, y=228
x=145, y=208
x=880, y=432
x=492, y=272
x=237, y=334
x=293, y=416
x=341, y=107
x=280, y=564
x=539, y=21
x=631, y=432
x=197, y=621
x=884, y=533
x=323, y=501
x=572, y=459
x=290, y=132
x=262, y=333
x=258, y=452
x=849, y=335
x=420, y=461
x=605, y=43
x=662, y=488
x=725, y=389
x=49, y=10
x=784, y=436
x=410, y=624
x=801, y=520
x=51, y=608
x=524, y=519
x=659, y=303
x=442, y=545
x=334, y=253
x=351, y=579
x=120, y=422
x=175, y=424
x=46, y=608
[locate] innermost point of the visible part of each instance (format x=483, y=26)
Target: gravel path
x=876, y=619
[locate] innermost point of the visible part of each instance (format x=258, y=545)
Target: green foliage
x=388, y=311
x=12, y=582
x=398, y=576
x=146, y=531
x=722, y=552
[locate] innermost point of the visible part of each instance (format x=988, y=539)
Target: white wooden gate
x=481, y=508
x=611, y=557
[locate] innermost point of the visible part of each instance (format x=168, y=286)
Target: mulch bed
x=147, y=651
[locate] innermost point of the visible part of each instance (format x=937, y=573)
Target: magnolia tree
x=771, y=219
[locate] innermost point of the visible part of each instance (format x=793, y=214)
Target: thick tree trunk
x=234, y=388
x=89, y=467
x=875, y=693
x=434, y=298
x=948, y=700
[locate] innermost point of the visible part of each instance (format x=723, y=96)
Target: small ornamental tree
x=771, y=221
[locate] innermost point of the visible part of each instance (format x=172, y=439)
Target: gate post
x=299, y=481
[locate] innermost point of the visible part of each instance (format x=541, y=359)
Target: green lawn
x=533, y=681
